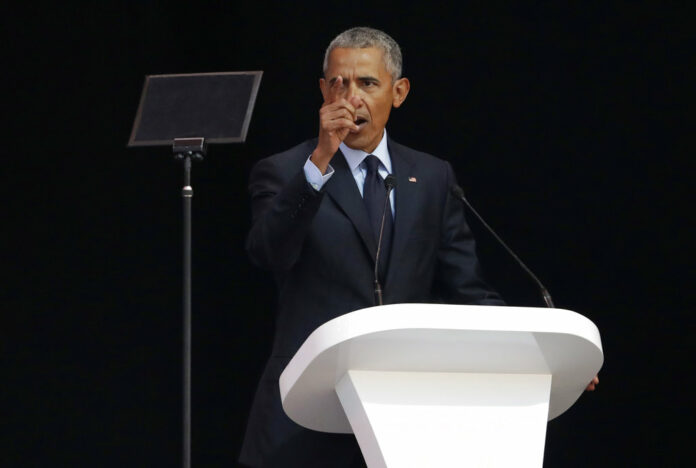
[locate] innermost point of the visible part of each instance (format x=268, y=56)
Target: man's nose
x=352, y=90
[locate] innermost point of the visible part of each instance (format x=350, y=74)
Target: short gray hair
x=362, y=38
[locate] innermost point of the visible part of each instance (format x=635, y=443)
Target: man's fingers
x=339, y=124
x=340, y=108
x=337, y=115
x=339, y=103
x=593, y=383
x=337, y=84
x=335, y=89
x=340, y=113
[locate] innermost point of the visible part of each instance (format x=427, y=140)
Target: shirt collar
x=355, y=157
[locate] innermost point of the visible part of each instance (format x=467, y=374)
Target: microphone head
x=390, y=182
x=457, y=191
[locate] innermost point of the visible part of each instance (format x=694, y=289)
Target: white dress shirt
x=354, y=158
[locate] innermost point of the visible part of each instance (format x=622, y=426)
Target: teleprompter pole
x=187, y=150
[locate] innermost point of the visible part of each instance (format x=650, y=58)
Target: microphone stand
x=459, y=193
x=389, y=183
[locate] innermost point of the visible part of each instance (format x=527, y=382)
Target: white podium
x=431, y=385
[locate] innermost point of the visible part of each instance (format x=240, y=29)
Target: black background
x=564, y=125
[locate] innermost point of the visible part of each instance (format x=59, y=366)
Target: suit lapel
x=405, y=212
x=344, y=191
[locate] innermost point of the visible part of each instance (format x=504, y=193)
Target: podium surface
x=443, y=385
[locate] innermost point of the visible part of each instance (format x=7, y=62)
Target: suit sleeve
x=283, y=208
x=458, y=275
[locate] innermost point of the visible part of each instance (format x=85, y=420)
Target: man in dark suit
x=316, y=221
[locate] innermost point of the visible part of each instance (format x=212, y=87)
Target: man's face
x=365, y=77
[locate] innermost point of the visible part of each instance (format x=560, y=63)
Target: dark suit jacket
x=321, y=249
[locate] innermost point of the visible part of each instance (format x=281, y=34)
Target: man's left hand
x=593, y=384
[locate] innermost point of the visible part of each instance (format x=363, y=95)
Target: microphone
x=459, y=193
x=389, y=183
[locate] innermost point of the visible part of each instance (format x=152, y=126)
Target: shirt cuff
x=314, y=176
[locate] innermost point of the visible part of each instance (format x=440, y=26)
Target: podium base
x=417, y=419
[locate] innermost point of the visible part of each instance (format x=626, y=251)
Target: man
x=316, y=227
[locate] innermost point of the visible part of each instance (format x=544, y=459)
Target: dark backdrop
x=563, y=125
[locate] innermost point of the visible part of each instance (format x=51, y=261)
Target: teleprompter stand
x=187, y=112
x=187, y=150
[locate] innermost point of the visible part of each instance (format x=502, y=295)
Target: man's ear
x=324, y=88
x=400, y=90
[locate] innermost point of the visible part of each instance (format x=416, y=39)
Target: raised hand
x=336, y=120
